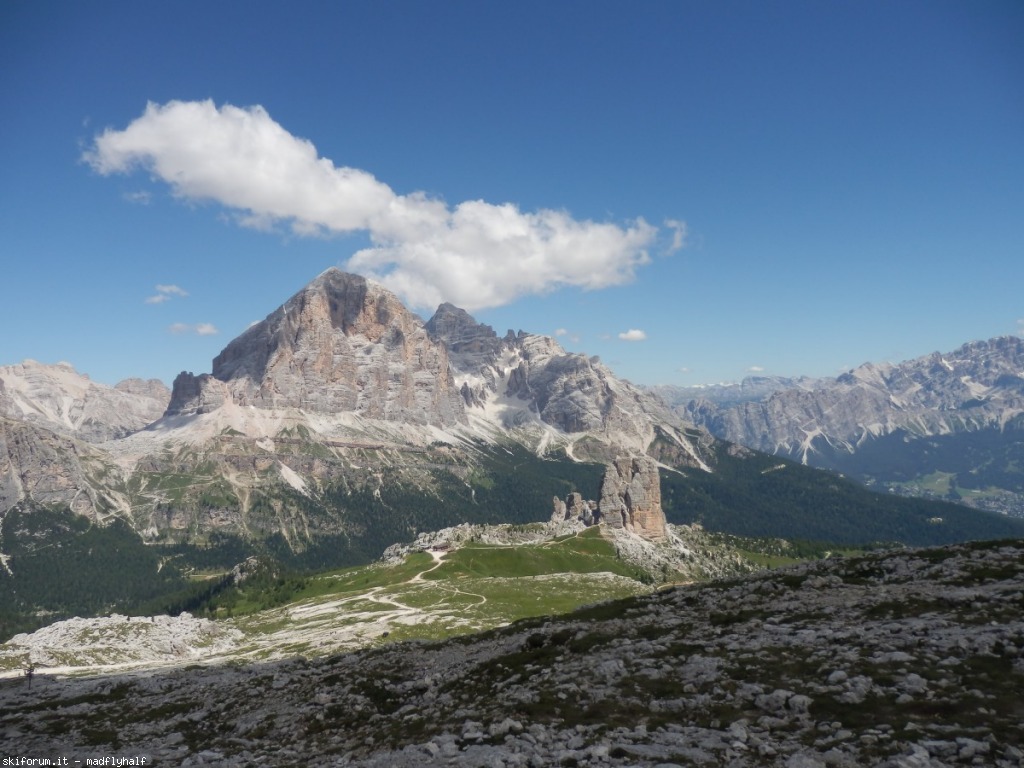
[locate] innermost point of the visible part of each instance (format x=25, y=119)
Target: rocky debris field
x=116, y=640
x=911, y=659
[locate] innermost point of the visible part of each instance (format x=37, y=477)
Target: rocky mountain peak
x=341, y=344
x=471, y=345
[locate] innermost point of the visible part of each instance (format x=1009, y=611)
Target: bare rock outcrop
x=575, y=508
x=471, y=345
x=631, y=497
x=630, y=500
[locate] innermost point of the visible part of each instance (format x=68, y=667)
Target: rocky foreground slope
x=909, y=658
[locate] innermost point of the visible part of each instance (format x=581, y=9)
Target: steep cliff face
x=52, y=469
x=62, y=400
x=340, y=345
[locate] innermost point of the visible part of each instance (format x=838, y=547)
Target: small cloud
x=633, y=334
x=683, y=369
x=679, y=233
x=141, y=197
x=1020, y=327
x=200, y=329
x=560, y=332
x=755, y=369
x=164, y=293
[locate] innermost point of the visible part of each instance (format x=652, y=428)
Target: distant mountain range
x=343, y=423
x=945, y=426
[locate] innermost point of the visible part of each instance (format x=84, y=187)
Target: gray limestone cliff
x=471, y=345
x=631, y=497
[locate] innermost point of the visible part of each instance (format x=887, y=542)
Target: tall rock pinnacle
x=630, y=500
x=631, y=497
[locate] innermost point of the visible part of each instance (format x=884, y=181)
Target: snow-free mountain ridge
x=340, y=387
x=899, y=413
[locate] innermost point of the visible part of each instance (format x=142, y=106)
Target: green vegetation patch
x=585, y=553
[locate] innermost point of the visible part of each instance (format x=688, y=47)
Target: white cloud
x=755, y=369
x=164, y=293
x=633, y=334
x=200, y=329
x=475, y=254
x=679, y=233
x=1020, y=326
x=561, y=332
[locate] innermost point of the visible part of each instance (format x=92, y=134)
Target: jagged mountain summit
x=54, y=424
x=524, y=380
x=344, y=418
x=751, y=388
x=960, y=414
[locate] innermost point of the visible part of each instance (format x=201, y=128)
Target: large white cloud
x=475, y=254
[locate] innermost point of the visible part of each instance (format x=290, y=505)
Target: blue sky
x=695, y=191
